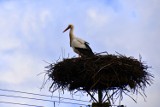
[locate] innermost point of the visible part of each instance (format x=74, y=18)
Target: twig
x=129, y=96
x=92, y=96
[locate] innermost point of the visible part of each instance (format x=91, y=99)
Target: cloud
x=20, y=28
x=21, y=68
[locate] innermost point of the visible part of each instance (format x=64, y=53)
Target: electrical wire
x=32, y=98
x=13, y=96
x=15, y=91
x=7, y=102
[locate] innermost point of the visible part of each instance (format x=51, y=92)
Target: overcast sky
x=31, y=32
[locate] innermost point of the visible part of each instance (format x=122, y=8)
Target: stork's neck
x=71, y=35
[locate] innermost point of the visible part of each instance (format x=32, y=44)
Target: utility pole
x=100, y=95
x=100, y=100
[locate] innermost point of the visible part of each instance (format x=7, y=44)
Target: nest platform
x=100, y=72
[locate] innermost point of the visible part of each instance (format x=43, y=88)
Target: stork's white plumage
x=79, y=46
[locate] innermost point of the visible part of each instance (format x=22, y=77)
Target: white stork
x=79, y=46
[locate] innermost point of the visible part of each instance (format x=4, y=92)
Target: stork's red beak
x=66, y=29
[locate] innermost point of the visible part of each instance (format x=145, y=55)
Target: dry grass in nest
x=100, y=72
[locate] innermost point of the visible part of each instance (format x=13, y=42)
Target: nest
x=100, y=72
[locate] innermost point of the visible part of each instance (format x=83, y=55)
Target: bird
x=80, y=46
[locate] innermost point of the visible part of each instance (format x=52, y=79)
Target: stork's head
x=70, y=26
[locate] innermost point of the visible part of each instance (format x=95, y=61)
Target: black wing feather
x=85, y=51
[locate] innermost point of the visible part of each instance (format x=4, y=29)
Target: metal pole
x=100, y=95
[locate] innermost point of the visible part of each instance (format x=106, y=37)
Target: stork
x=79, y=46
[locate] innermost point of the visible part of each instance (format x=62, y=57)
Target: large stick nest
x=100, y=72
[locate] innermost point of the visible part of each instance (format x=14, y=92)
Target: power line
x=13, y=96
x=32, y=98
x=7, y=102
x=16, y=91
